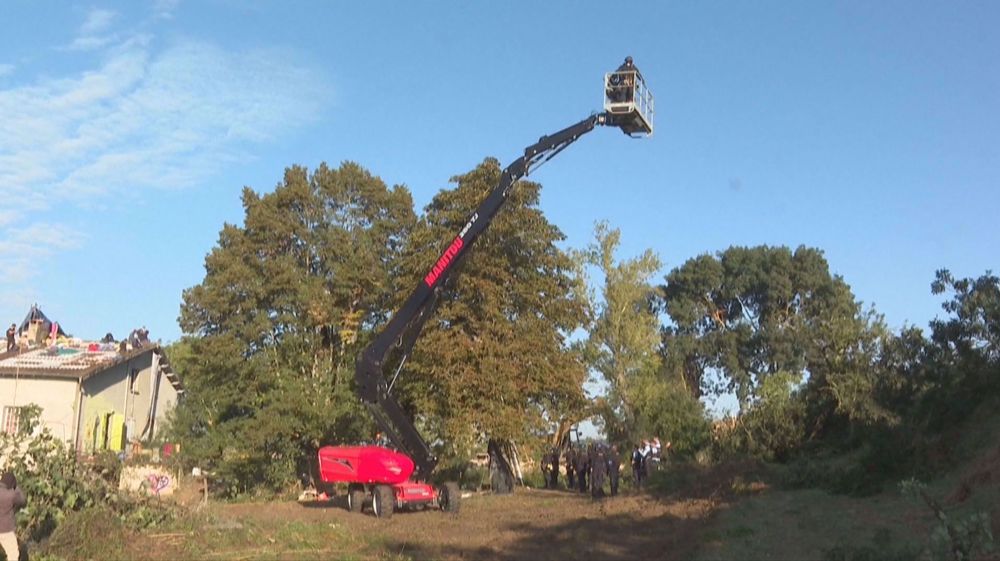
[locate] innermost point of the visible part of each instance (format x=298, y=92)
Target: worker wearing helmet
x=622, y=82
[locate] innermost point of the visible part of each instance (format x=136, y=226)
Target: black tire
x=383, y=501
x=449, y=496
x=355, y=498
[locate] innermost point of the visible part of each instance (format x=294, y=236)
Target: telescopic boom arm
x=405, y=325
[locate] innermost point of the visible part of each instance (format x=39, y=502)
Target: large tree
x=624, y=332
x=751, y=313
x=493, y=361
x=974, y=328
x=272, y=330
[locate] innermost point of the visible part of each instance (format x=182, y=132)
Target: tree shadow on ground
x=720, y=483
x=332, y=502
x=597, y=534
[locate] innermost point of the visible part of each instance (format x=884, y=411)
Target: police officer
x=571, y=467
x=638, y=467
x=546, y=467
x=554, y=470
x=582, y=465
x=614, y=469
x=598, y=470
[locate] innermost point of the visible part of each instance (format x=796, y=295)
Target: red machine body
x=363, y=464
x=381, y=476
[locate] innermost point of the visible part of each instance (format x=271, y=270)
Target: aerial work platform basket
x=628, y=101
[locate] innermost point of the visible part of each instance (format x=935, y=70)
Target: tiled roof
x=63, y=360
x=76, y=362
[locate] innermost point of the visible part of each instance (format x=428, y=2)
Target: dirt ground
x=531, y=524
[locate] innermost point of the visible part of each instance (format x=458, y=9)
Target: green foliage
x=750, y=313
x=469, y=476
x=771, y=425
x=776, y=328
x=493, y=360
x=622, y=348
x=623, y=335
x=953, y=538
x=666, y=409
x=287, y=302
x=976, y=310
x=56, y=483
x=848, y=476
x=91, y=533
x=534, y=479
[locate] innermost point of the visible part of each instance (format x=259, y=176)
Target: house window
x=11, y=419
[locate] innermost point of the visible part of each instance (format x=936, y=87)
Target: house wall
x=103, y=393
x=166, y=401
x=57, y=397
x=109, y=392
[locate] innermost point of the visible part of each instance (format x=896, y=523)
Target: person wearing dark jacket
x=638, y=467
x=570, y=457
x=622, y=84
x=614, y=469
x=598, y=469
x=546, y=468
x=554, y=471
x=11, y=499
x=582, y=469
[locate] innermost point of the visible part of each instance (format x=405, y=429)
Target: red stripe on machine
x=443, y=261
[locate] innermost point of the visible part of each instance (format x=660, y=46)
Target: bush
x=954, y=537
x=56, y=484
x=534, y=478
x=838, y=477
x=95, y=533
x=469, y=477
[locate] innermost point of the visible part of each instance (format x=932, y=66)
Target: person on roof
x=11, y=333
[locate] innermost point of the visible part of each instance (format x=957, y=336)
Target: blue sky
x=870, y=130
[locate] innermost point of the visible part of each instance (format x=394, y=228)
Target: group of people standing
x=647, y=456
x=589, y=469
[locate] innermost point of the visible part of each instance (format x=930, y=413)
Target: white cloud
x=165, y=8
x=139, y=120
x=92, y=32
x=7, y=217
x=89, y=43
x=26, y=246
x=97, y=21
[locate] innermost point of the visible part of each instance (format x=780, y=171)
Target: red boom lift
x=393, y=479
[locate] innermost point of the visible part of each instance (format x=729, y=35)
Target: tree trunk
x=561, y=437
x=501, y=474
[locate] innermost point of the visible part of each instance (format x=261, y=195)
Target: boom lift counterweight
x=633, y=116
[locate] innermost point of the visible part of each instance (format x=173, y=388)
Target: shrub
x=953, y=538
x=56, y=484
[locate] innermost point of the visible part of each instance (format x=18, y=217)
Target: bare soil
x=530, y=524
